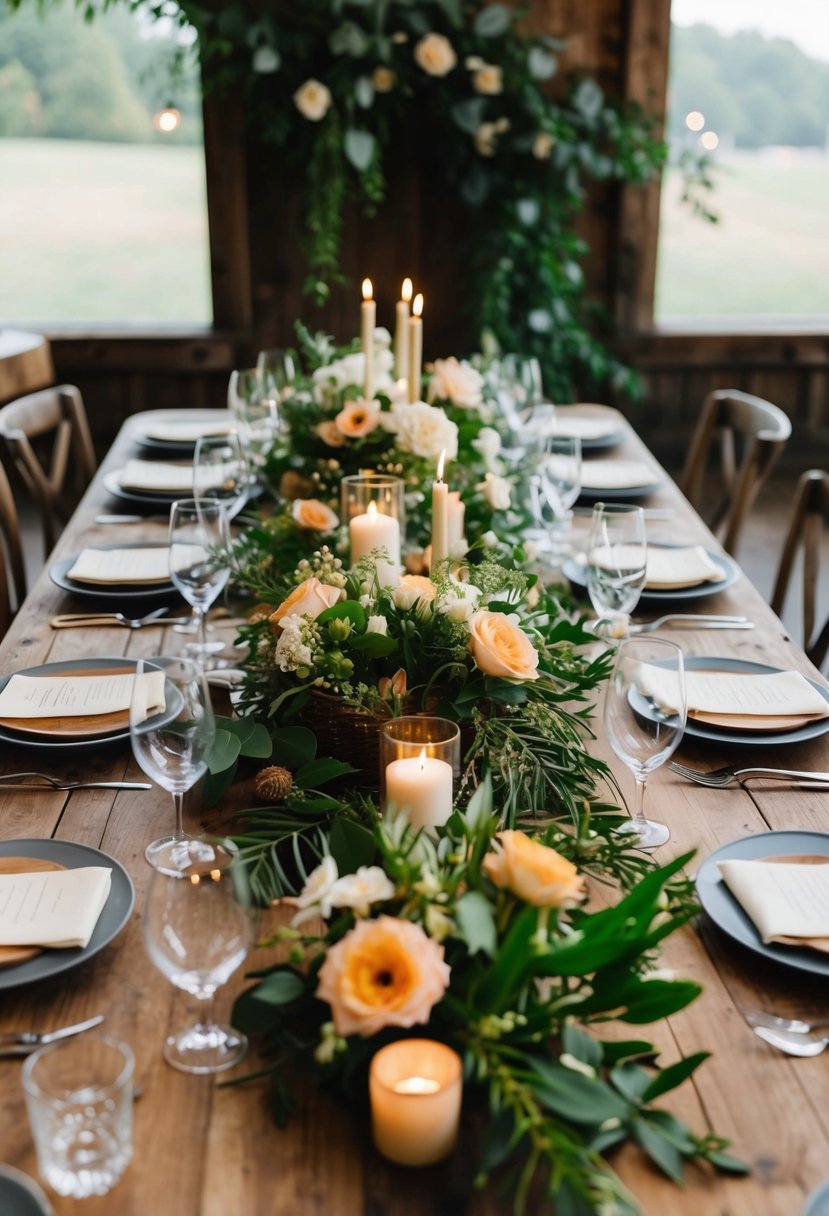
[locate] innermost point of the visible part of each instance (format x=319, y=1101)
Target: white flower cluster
x=456, y=381
x=325, y=890
x=424, y=430
x=293, y=651
x=350, y=371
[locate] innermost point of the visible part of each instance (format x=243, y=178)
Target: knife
x=21, y=1043
x=132, y=519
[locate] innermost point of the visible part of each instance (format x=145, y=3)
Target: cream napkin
x=122, y=566
x=788, y=903
x=57, y=908
x=580, y=426
x=162, y=478
x=781, y=694
x=78, y=696
x=616, y=475
x=685, y=567
x=186, y=432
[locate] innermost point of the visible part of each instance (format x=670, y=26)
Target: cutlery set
x=721, y=778
x=16, y=1043
x=42, y=781
x=83, y=620
x=794, y=1036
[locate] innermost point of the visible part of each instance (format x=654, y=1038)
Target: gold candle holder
x=416, y=1088
x=420, y=759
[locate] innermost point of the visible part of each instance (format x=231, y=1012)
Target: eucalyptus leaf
x=279, y=988
x=529, y=209
x=348, y=39
x=674, y=1075
x=578, y=1043
x=469, y=114
x=351, y=844
x=225, y=751
x=476, y=923
x=661, y=1151
x=542, y=65
x=317, y=772
x=293, y=746
x=588, y=99
x=359, y=147
x=364, y=92
x=574, y=1096
x=492, y=21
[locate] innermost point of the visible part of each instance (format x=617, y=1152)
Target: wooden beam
x=227, y=210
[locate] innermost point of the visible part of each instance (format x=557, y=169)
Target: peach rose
x=308, y=599
x=435, y=54
x=534, y=872
x=384, y=972
x=313, y=100
x=500, y=648
x=358, y=418
x=331, y=434
x=315, y=515
x=383, y=79
x=488, y=79
x=543, y=145
x=413, y=589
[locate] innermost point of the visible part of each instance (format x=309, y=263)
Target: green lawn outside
x=103, y=233
x=769, y=253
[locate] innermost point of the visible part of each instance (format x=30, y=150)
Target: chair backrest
x=809, y=510
x=750, y=434
x=55, y=417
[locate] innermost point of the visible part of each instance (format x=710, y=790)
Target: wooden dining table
x=202, y=1148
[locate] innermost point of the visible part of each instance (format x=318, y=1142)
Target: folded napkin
x=779, y=695
x=79, y=696
x=186, y=432
x=580, y=426
x=616, y=475
x=122, y=566
x=685, y=567
x=162, y=478
x=788, y=902
x=57, y=908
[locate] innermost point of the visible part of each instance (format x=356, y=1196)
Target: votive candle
x=421, y=788
x=374, y=530
x=416, y=1088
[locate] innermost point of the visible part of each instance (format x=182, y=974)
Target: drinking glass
x=519, y=390
x=617, y=554
x=197, y=932
x=221, y=472
x=561, y=480
x=279, y=369
x=254, y=402
x=79, y=1096
x=642, y=734
x=199, y=559
x=172, y=745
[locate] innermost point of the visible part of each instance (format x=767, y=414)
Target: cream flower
x=331, y=434
x=308, y=599
x=315, y=515
x=486, y=138
x=414, y=589
x=358, y=418
x=487, y=444
x=384, y=972
x=377, y=624
x=313, y=100
x=488, y=79
x=534, y=872
x=459, y=602
x=496, y=492
x=383, y=79
x=424, y=430
x=435, y=54
x=543, y=145
x=313, y=899
x=501, y=648
x=370, y=885
x=458, y=382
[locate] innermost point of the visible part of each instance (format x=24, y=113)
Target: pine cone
x=273, y=784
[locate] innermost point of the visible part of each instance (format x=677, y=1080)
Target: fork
x=79, y=620
x=758, y=1017
x=33, y=781
x=720, y=778
x=780, y=1033
x=696, y=621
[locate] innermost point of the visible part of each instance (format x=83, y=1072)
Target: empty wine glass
x=254, y=403
x=199, y=559
x=561, y=479
x=171, y=740
x=221, y=472
x=617, y=554
x=643, y=734
x=521, y=379
x=279, y=369
x=197, y=932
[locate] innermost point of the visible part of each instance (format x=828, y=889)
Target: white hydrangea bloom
x=292, y=651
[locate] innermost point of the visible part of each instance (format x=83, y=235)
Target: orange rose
x=384, y=972
x=392, y=686
x=534, y=872
x=331, y=434
x=500, y=648
x=315, y=515
x=358, y=418
x=308, y=599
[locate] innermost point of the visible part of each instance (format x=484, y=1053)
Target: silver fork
x=782, y=1033
x=694, y=620
x=33, y=781
x=76, y=620
x=720, y=778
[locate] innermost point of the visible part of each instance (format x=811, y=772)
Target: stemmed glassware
x=253, y=401
x=519, y=391
x=171, y=744
x=617, y=555
x=221, y=472
x=279, y=369
x=643, y=734
x=561, y=480
x=199, y=559
x=197, y=932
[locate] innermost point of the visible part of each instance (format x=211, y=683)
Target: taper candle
x=415, y=348
x=440, y=516
x=457, y=518
x=401, y=331
x=368, y=319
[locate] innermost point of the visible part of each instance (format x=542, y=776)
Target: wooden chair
x=12, y=568
x=750, y=433
x=810, y=509
x=54, y=421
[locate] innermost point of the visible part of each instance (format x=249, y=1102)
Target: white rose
x=382, y=337
x=460, y=601
x=313, y=100
x=314, y=898
x=488, y=79
x=457, y=382
x=370, y=885
x=424, y=430
x=488, y=444
x=489, y=539
x=435, y=54
x=496, y=491
x=377, y=624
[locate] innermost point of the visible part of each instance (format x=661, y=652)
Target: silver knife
x=74, y=785
x=21, y=1043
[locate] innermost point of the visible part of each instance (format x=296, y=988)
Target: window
x=749, y=84
x=103, y=214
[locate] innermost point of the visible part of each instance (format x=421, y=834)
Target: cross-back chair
x=750, y=434
x=45, y=443
x=12, y=569
x=809, y=511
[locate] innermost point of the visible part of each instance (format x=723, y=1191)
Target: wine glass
x=521, y=379
x=642, y=734
x=278, y=368
x=197, y=932
x=171, y=741
x=561, y=479
x=199, y=559
x=254, y=403
x=221, y=472
x=617, y=554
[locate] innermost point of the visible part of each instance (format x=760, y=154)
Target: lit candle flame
x=422, y=764
x=372, y=510
x=406, y=290
x=417, y=1085
x=441, y=462
x=417, y=307
x=368, y=290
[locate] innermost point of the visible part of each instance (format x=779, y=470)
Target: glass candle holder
x=415, y=1089
x=420, y=760
x=374, y=509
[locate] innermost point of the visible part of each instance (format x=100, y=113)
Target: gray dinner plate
x=147, y=501
x=113, y=918
x=576, y=573
x=20, y=1195
x=618, y=494
x=584, y=410
x=156, y=593
x=726, y=913
x=141, y=423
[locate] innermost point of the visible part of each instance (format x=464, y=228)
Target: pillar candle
x=401, y=331
x=416, y=1090
x=457, y=518
x=420, y=787
x=440, y=517
x=368, y=319
x=415, y=348
x=374, y=531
